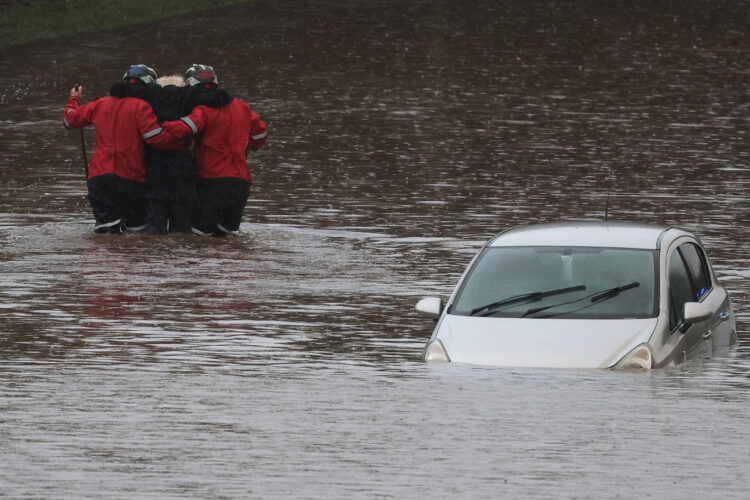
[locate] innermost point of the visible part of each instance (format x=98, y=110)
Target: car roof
x=587, y=234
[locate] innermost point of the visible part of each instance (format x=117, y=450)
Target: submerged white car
x=583, y=295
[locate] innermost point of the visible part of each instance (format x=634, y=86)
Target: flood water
x=285, y=362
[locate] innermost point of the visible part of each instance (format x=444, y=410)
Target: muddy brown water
x=285, y=362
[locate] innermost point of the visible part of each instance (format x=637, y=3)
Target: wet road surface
x=285, y=362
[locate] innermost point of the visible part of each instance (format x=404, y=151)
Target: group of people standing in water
x=171, y=153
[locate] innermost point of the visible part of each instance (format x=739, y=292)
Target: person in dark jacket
x=170, y=175
x=125, y=123
x=225, y=129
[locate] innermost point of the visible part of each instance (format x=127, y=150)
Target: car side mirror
x=695, y=312
x=430, y=307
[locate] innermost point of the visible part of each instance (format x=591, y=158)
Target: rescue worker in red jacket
x=226, y=129
x=124, y=124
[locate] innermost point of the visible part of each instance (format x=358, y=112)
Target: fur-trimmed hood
x=213, y=98
x=172, y=102
x=137, y=90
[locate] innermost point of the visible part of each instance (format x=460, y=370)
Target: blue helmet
x=140, y=72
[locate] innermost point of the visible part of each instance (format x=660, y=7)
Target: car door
x=710, y=293
x=690, y=281
x=682, y=291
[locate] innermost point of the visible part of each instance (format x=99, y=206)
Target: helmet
x=200, y=74
x=140, y=72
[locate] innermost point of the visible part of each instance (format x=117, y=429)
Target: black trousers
x=117, y=203
x=170, y=191
x=220, y=205
x=168, y=216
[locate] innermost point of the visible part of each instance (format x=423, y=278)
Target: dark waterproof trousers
x=220, y=205
x=170, y=191
x=168, y=216
x=118, y=203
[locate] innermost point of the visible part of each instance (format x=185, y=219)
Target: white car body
x=655, y=339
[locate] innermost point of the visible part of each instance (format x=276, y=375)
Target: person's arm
x=75, y=115
x=154, y=134
x=258, y=132
x=187, y=126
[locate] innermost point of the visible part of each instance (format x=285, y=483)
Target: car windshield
x=560, y=282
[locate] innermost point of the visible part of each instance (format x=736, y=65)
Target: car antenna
x=609, y=190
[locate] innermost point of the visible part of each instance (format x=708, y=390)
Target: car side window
x=696, y=263
x=680, y=289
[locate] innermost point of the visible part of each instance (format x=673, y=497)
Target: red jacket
x=123, y=126
x=227, y=133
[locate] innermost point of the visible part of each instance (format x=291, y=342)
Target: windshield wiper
x=526, y=297
x=595, y=297
x=612, y=292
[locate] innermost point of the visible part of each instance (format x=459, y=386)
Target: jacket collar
x=213, y=98
x=125, y=89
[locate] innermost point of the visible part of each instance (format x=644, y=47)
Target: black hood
x=125, y=89
x=170, y=102
x=213, y=98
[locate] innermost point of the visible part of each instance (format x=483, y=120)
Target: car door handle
x=724, y=315
x=707, y=335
